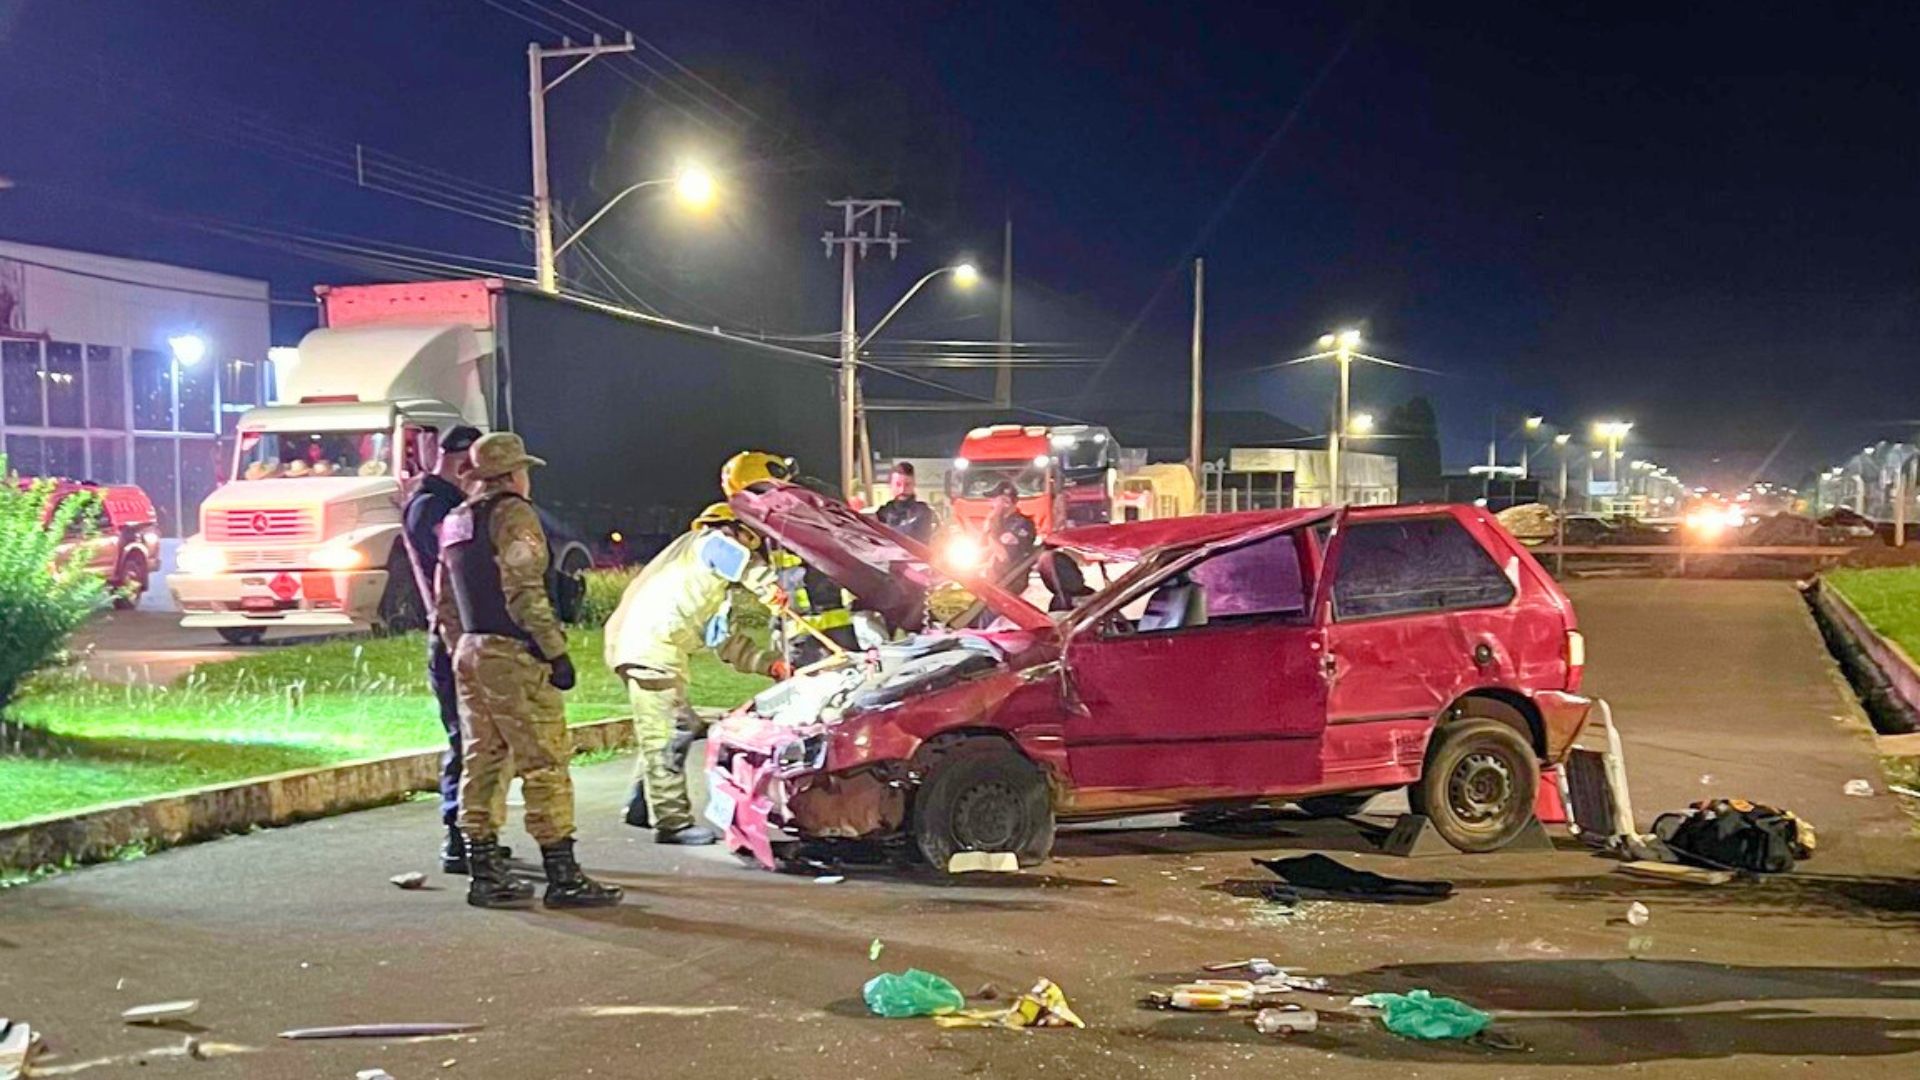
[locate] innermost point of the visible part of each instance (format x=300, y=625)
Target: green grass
x=276, y=709
x=1889, y=599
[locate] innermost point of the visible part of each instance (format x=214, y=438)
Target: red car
x=1315, y=657
x=125, y=546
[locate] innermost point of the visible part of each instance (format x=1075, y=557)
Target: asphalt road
x=714, y=969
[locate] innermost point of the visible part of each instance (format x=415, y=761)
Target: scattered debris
x=1255, y=966
x=1691, y=875
x=603, y=1011
x=412, y=879
x=911, y=993
x=1317, y=877
x=164, y=1012
x=1638, y=914
x=373, y=1074
x=1285, y=979
x=987, y=992
x=1729, y=834
x=1860, y=789
x=379, y=1031
x=1214, y=995
x=873, y=950
x=1907, y=791
x=990, y=862
x=449, y=1063
x=1044, y=1006
x=18, y=1046
x=1489, y=1039
x=1420, y=1015
x=1286, y=1020
x=829, y=879
x=1363, y=1003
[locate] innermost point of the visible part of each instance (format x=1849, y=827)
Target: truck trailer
x=634, y=413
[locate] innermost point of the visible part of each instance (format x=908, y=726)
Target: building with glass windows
x=119, y=371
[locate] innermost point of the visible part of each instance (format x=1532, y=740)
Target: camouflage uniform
x=667, y=613
x=511, y=716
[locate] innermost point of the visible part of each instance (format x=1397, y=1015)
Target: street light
x=1361, y=424
x=1613, y=432
x=1342, y=343
x=692, y=183
x=188, y=349
x=965, y=275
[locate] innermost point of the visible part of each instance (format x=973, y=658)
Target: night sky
x=1700, y=217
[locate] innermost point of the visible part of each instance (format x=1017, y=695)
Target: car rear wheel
x=982, y=795
x=1332, y=806
x=1478, y=784
x=133, y=582
x=242, y=635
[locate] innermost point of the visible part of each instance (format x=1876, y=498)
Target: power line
x=183, y=290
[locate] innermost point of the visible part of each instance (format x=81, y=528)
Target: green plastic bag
x=913, y=993
x=1420, y=1015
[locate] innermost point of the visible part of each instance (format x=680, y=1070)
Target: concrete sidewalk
x=715, y=969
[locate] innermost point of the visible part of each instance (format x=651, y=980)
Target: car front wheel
x=1478, y=784
x=133, y=582
x=242, y=635
x=982, y=795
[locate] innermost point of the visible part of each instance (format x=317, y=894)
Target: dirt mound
x=1871, y=555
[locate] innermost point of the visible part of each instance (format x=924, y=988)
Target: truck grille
x=266, y=558
x=291, y=523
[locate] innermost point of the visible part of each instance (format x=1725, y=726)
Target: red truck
x=124, y=546
x=1315, y=657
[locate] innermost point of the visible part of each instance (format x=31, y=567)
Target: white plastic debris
x=829, y=879
x=1638, y=914
x=161, y=1012
x=1285, y=1021
x=1859, y=789
x=993, y=862
x=412, y=879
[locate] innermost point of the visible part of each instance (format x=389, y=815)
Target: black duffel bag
x=1733, y=834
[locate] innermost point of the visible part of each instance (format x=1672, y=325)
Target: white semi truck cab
x=305, y=531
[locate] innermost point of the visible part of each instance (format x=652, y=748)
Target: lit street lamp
x=692, y=184
x=1613, y=432
x=852, y=415
x=1342, y=345
x=1361, y=424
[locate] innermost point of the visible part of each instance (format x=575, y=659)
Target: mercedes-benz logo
x=258, y=522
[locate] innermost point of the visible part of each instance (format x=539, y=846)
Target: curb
x=1885, y=677
x=102, y=832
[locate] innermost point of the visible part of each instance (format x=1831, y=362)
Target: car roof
x=1132, y=540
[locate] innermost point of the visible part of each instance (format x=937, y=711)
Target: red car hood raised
x=890, y=573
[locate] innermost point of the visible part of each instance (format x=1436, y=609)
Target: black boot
x=453, y=852
x=488, y=883
x=687, y=836
x=568, y=886
x=637, y=813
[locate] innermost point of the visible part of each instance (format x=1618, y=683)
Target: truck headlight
x=338, y=557
x=200, y=559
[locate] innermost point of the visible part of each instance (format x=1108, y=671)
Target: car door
x=1397, y=650
x=1220, y=700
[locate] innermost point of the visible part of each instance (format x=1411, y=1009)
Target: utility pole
x=863, y=223
x=1195, y=440
x=1003, y=377
x=537, y=86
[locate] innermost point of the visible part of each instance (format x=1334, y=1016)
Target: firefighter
x=812, y=597
x=676, y=606
x=510, y=664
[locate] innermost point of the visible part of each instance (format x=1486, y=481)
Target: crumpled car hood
x=876, y=679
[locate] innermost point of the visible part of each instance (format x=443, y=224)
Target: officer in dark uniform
x=905, y=513
x=439, y=492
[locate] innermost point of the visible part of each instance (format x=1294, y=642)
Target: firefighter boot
x=637, y=814
x=488, y=883
x=568, y=886
x=453, y=852
x=689, y=836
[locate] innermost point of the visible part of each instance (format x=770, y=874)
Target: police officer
x=510, y=664
x=1011, y=535
x=905, y=513
x=811, y=595
x=674, y=608
x=439, y=492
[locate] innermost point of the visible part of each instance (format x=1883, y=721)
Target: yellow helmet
x=750, y=467
x=717, y=514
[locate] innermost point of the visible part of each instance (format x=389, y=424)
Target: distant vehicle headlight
x=200, y=559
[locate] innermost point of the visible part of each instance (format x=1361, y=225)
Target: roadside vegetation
x=45, y=595
x=1889, y=599
x=279, y=708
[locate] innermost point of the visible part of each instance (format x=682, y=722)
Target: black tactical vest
x=473, y=571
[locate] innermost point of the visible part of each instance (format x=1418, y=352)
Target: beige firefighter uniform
x=661, y=622
x=512, y=719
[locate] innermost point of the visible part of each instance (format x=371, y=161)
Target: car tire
x=982, y=795
x=1335, y=806
x=401, y=609
x=1478, y=783
x=133, y=582
x=242, y=635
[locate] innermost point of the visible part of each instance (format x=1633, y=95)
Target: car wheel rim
x=1480, y=789
x=986, y=818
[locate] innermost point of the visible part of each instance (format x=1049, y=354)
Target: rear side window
x=1413, y=566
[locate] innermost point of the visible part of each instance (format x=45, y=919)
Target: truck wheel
x=1335, y=806
x=570, y=584
x=242, y=635
x=401, y=609
x=982, y=795
x=1478, y=784
x=133, y=582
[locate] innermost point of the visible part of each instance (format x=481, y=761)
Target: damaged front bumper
x=768, y=786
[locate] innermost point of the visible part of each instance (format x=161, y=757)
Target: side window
x=1259, y=579
x=1412, y=566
